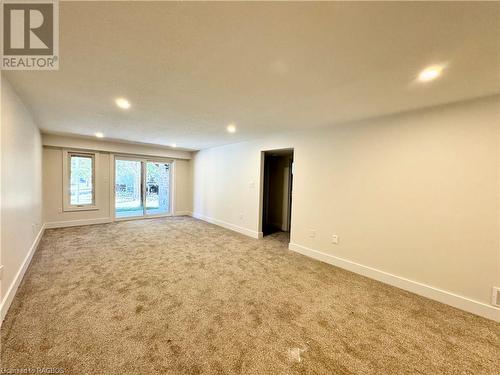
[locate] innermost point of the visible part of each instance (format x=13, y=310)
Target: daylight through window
x=81, y=180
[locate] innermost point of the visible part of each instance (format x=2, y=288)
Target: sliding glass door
x=128, y=188
x=142, y=188
x=157, y=188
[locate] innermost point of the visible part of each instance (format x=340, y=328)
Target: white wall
x=141, y=149
x=54, y=216
x=53, y=213
x=414, y=195
x=183, y=192
x=21, y=190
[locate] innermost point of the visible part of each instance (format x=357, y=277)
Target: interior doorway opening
x=277, y=191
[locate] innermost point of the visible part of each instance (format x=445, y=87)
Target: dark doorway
x=277, y=191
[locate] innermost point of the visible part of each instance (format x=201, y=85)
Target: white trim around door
x=143, y=162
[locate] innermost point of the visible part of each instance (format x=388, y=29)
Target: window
x=79, y=181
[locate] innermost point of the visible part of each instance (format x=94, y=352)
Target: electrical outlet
x=312, y=233
x=251, y=184
x=241, y=216
x=335, y=239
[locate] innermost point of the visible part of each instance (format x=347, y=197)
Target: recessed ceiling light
x=231, y=128
x=122, y=103
x=99, y=135
x=430, y=73
x=174, y=145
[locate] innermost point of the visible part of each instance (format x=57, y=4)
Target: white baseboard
x=11, y=292
x=183, y=213
x=236, y=228
x=75, y=223
x=455, y=300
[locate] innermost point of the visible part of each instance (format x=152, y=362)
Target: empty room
x=250, y=187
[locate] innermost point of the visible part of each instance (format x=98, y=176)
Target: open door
x=277, y=191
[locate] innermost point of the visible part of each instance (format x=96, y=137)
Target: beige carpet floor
x=180, y=296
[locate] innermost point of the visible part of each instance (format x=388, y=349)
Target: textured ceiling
x=189, y=69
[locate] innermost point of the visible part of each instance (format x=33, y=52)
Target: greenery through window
x=141, y=188
x=81, y=180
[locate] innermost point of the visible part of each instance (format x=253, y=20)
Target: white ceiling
x=189, y=69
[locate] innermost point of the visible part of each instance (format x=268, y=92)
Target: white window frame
x=67, y=206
